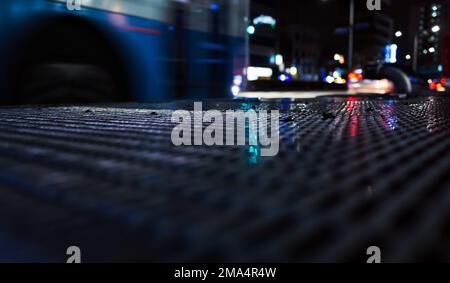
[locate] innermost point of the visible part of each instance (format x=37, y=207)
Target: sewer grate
x=351, y=173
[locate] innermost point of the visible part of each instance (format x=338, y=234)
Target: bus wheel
x=54, y=83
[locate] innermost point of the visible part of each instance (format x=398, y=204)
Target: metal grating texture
x=351, y=173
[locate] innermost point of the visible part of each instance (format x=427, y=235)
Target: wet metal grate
x=351, y=173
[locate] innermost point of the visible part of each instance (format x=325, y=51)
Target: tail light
x=355, y=77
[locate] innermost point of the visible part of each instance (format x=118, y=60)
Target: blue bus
x=81, y=51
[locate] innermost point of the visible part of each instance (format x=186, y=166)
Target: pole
x=350, y=34
x=416, y=52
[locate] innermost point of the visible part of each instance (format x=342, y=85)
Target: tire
x=401, y=81
x=67, y=59
x=65, y=83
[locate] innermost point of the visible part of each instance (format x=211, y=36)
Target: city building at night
x=430, y=43
x=263, y=34
x=300, y=48
x=423, y=37
x=328, y=22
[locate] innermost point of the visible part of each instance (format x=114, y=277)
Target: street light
x=251, y=30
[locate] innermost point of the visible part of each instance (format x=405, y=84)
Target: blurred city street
x=219, y=131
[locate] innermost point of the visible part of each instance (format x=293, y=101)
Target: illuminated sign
x=265, y=20
x=390, y=53
x=254, y=73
